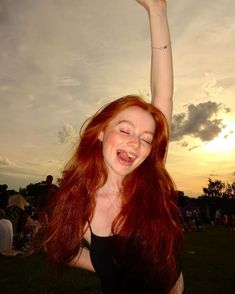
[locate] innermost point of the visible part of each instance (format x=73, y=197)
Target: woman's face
x=127, y=140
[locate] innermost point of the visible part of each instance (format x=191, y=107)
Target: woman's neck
x=110, y=190
x=113, y=186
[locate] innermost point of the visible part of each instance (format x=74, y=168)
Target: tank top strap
x=89, y=225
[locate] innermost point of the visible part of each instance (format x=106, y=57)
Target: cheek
x=111, y=140
x=146, y=151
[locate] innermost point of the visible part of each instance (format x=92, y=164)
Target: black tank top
x=103, y=263
x=115, y=279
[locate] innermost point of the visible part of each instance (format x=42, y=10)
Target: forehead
x=137, y=116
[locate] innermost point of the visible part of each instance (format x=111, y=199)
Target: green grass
x=33, y=274
x=208, y=265
x=209, y=261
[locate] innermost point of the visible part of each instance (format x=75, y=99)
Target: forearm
x=161, y=79
x=178, y=288
x=83, y=260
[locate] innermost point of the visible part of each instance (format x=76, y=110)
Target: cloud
x=198, y=121
x=194, y=147
x=226, y=136
x=227, y=109
x=19, y=171
x=67, y=134
x=184, y=144
x=67, y=82
x=211, y=87
x=214, y=175
x=6, y=162
x=227, y=81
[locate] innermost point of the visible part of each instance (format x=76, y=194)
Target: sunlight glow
x=225, y=142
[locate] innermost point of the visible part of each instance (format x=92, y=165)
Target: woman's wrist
x=157, y=11
x=154, y=6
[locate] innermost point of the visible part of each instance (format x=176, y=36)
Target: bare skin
x=161, y=80
x=108, y=198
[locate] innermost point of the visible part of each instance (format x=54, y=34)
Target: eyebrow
x=131, y=123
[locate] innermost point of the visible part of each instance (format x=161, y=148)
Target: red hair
x=149, y=210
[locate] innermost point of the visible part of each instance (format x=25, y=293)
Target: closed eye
x=125, y=132
x=146, y=141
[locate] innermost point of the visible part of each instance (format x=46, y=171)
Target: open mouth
x=126, y=158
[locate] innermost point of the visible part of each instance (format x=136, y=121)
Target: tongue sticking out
x=124, y=157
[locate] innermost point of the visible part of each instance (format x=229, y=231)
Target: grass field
x=208, y=265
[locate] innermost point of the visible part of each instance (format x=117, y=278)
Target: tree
x=214, y=188
x=230, y=190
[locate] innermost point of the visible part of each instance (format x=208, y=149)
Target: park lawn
x=209, y=261
x=33, y=274
x=208, y=264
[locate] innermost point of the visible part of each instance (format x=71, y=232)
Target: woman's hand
x=152, y=4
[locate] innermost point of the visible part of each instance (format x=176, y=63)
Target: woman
x=116, y=193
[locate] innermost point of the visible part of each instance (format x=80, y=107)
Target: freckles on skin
x=112, y=136
x=127, y=140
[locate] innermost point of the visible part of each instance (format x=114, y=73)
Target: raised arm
x=161, y=80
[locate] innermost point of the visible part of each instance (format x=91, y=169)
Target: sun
x=225, y=142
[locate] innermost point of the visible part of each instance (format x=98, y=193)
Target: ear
x=101, y=135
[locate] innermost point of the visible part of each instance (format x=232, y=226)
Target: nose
x=134, y=142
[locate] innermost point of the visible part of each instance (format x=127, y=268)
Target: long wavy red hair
x=149, y=211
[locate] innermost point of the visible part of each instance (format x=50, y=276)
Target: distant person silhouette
x=4, y=195
x=44, y=190
x=6, y=233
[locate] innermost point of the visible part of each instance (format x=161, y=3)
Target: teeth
x=131, y=156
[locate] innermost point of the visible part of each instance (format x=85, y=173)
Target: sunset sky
x=63, y=59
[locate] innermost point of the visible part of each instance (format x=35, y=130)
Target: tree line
x=218, y=188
